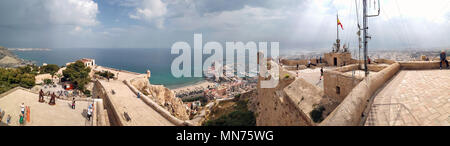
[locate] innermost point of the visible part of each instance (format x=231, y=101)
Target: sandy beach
x=202, y=84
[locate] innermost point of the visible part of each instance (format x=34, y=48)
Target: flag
x=339, y=23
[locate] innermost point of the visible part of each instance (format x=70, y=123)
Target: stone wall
x=385, y=61
x=163, y=96
x=337, y=85
x=419, y=65
x=100, y=115
x=304, y=96
x=275, y=108
x=375, y=67
x=342, y=59
x=99, y=92
x=158, y=108
x=350, y=111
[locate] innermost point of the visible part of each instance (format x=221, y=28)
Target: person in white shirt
x=22, y=108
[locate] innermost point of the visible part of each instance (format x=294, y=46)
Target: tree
x=78, y=73
x=106, y=74
x=50, y=68
x=11, y=78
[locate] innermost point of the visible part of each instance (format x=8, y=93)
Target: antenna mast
x=365, y=28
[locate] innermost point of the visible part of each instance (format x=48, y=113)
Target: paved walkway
x=121, y=74
x=124, y=100
x=43, y=114
x=413, y=98
x=312, y=76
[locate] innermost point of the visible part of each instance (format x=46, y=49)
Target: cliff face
x=8, y=59
x=163, y=96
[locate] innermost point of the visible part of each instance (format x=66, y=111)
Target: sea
x=158, y=61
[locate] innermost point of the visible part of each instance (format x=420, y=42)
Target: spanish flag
x=339, y=23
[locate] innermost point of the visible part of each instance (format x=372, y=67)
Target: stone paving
x=312, y=76
x=43, y=114
x=413, y=98
x=124, y=100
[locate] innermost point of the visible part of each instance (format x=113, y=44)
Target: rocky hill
x=8, y=59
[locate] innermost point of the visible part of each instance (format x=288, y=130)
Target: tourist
x=320, y=59
x=21, y=119
x=368, y=59
x=89, y=114
x=309, y=63
x=22, y=108
x=73, y=103
x=321, y=73
x=139, y=95
x=443, y=59
x=297, y=66
x=8, y=119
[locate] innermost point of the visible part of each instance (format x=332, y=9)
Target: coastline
x=200, y=84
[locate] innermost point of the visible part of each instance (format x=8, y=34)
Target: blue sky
x=296, y=24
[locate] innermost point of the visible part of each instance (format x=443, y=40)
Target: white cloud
x=75, y=12
x=49, y=12
x=151, y=11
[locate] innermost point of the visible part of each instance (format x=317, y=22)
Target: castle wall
x=349, y=112
x=420, y=65
x=289, y=62
x=166, y=114
x=275, y=108
x=338, y=86
x=342, y=59
x=112, y=116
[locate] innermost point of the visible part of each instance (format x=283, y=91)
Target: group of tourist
x=2, y=114
x=22, y=114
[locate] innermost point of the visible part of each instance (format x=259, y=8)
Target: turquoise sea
x=135, y=60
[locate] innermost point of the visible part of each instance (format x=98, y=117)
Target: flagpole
x=338, y=42
x=337, y=26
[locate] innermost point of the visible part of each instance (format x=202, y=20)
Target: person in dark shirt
x=321, y=73
x=443, y=59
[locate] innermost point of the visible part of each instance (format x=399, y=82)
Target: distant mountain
x=8, y=59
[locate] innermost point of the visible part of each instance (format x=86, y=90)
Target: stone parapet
x=166, y=114
x=349, y=112
x=419, y=65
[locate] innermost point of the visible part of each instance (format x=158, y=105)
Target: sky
x=296, y=24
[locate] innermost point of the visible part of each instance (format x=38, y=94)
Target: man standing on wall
x=443, y=59
x=321, y=73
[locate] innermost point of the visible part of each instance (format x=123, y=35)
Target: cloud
x=49, y=12
x=296, y=24
x=151, y=11
x=73, y=12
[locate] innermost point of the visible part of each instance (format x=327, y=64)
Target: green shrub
x=48, y=81
x=87, y=93
x=286, y=76
x=316, y=114
x=105, y=74
x=235, y=118
x=240, y=116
